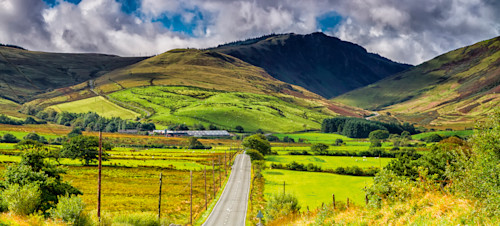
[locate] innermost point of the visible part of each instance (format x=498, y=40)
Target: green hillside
x=194, y=86
x=454, y=89
x=190, y=105
x=24, y=73
x=322, y=64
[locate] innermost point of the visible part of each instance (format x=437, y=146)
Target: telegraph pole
x=99, y=178
x=159, y=200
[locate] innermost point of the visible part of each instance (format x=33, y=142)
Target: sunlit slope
x=23, y=73
x=190, y=105
x=190, y=67
x=456, y=88
x=194, y=86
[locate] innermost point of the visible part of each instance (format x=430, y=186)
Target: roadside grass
x=99, y=105
x=312, y=189
x=461, y=133
x=329, y=162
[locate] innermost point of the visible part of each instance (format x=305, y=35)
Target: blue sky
x=406, y=31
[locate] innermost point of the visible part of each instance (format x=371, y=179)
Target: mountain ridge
x=317, y=62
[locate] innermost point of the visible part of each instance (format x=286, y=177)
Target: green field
x=327, y=138
x=226, y=110
x=99, y=105
x=20, y=135
x=461, y=133
x=313, y=189
x=329, y=162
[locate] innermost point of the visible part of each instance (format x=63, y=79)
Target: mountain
x=23, y=73
x=200, y=86
x=454, y=89
x=322, y=64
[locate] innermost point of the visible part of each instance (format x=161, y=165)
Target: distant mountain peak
x=320, y=63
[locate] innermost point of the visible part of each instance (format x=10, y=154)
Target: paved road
x=231, y=208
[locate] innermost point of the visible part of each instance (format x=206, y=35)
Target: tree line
x=361, y=128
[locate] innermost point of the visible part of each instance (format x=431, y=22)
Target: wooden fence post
x=191, y=196
x=333, y=197
x=205, y=176
x=159, y=198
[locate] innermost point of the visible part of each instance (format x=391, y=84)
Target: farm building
x=193, y=133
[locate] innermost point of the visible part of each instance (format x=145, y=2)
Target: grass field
x=327, y=138
x=312, y=189
x=99, y=105
x=226, y=110
x=461, y=133
x=329, y=162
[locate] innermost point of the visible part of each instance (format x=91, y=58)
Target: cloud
x=402, y=30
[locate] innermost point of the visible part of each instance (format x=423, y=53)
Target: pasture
x=99, y=105
x=329, y=162
x=312, y=189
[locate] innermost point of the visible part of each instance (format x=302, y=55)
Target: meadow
x=99, y=105
x=312, y=189
x=460, y=133
x=329, y=162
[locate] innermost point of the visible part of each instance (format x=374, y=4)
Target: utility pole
x=225, y=162
x=213, y=175
x=99, y=178
x=191, y=195
x=220, y=174
x=159, y=200
x=205, y=176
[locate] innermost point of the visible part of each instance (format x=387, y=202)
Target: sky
x=406, y=31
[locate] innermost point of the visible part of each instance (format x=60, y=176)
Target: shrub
x=319, y=148
x=70, y=209
x=9, y=138
x=280, y=205
x=255, y=155
x=22, y=200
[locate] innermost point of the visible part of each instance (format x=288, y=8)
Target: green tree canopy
x=257, y=142
x=34, y=169
x=319, y=148
x=84, y=148
x=379, y=134
x=9, y=138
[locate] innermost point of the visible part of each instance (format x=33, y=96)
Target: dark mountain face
x=322, y=64
x=24, y=74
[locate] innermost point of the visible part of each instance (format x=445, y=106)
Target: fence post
x=333, y=197
x=205, y=176
x=159, y=198
x=348, y=203
x=213, y=175
x=191, y=196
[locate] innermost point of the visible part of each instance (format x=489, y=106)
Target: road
x=231, y=208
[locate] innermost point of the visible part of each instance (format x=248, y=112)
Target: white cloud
x=403, y=30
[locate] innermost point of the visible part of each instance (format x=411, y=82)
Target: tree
x=84, y=148
x=339, y=142
x=379, y=134
x=319, y=148
x=255, y=155
x=239, y=129
x=75, y=132
x=194, y=143
x=34, y=170
x=259, y=131
x=212, y=127
x=257, y=142
x=9, y=138
x=433, y=138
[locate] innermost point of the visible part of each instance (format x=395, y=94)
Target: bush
x=255, y=155
x=70, y=209
x=22, y=200
x=280, y=205
x=319, y=148
x=9, y=138
x=257, y=142
x=387, y=186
